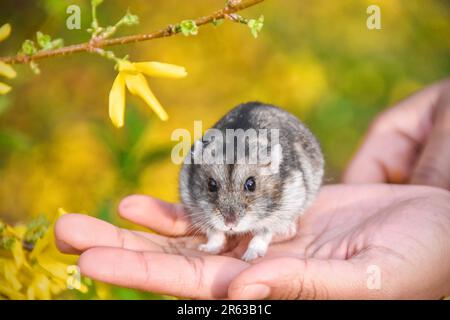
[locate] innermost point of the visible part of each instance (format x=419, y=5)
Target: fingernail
x=255, y=292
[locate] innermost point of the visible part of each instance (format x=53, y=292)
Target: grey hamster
x=224, y=194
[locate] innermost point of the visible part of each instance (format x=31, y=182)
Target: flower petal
x=117, y=101
x=7, y=71
x=19, y=255
x=126, y=66
x=137, y=84
x=11, y=293
x=41, y=287
x=5, y=30
x=4, y=88
x=159, y=69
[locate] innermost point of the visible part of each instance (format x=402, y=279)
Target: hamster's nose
x=230, y=220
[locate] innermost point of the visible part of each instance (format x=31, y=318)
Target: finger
x=302, y=279
x=160, y=216
x=182, y=276
x=76, y=233
x=433, y=166
x=65, y=248
x=386, y=155
x=390, y=148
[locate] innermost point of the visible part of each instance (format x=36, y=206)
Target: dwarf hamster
x=225, y=193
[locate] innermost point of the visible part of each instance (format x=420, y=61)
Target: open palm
x=357, y=241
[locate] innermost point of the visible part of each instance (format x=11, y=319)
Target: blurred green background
x=317, y=59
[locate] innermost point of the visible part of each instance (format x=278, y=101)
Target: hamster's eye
x=212, y=185
x=250, y=184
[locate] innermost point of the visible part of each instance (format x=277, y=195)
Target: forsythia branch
x=97, y=43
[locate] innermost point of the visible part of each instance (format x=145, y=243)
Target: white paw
x=253, y=253
x=206, y=247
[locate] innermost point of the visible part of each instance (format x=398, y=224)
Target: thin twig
x=95, y=44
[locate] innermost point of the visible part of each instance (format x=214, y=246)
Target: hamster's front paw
x=215, y=244
x=258, y=246
x=212, y=248
x=253, y=252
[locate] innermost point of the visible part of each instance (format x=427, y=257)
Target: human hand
x=409, y=142
x=403, y=231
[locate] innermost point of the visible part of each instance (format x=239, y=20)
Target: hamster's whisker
x=199, y=226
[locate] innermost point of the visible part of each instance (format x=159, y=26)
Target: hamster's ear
x=276, y=156
x=195, y=154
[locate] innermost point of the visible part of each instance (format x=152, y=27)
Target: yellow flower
x=5, y=69
x=40, y=273
x=131, y=76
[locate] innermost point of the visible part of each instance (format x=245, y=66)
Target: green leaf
x=57, y=43
x=7, y=242
x=28, y=47
x=130, y=19
x=36, y=229
x=44, y=40
x=256, y=25
x=188, y=27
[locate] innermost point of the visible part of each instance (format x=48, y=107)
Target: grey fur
x=279, y=199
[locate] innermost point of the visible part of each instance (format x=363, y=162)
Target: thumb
x=433, y=167
x=292, y=278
